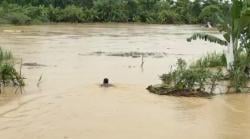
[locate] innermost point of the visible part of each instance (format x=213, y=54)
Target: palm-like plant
x=233, y=30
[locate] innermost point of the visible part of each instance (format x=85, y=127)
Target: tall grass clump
x=187, y=81
x=9, y=76
x=211, y=60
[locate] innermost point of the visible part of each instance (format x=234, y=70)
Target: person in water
x=106, y=83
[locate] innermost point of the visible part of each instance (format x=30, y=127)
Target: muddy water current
x=71, y=60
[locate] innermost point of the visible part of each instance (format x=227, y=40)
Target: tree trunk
x=230, y=54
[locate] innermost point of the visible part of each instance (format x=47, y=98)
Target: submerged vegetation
x=81, y=11
x=205, y=77
x=236, y=60
x=9, y=76
x=189, y=80
x=211, y=60
x=129, y=54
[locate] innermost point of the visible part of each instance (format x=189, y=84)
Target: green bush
x=238, y=78
x=210, y=61
x=54, y=14
x=8, y=74
x=186, y=78
x=168, y=17
x=240, y=72
x=18, y=18
x=37, y=14
x=209, y=14
x=110, y=11
x=72, y=14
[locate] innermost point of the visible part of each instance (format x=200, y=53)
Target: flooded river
x=73, y=60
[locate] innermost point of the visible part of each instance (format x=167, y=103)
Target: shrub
x=110, y=11
x=18, y=18
x=37, y=14
x=72, y=14
x=185, y=78
x=238, y=78
x=209, y=14
x=210, y=60
x=168, y=17
x=54, y=14
x=8, y=74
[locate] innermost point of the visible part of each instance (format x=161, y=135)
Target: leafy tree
x=209, y=14
x=72, y=14
x=110, y=10
x=149, y=11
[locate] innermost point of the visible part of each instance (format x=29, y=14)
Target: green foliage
x=37, y=14
x=186, y=78
x=236, y=32
x=5, y=55
x=148, y=11
x=207, y=37
x=8, y=74
x=238, y=78
x=110, y=11
x=211, y=60
x=169, y=17
x=209, y=14
x=71, y=14
x=18, y=18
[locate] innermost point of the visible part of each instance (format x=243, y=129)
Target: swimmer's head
x=105, y=81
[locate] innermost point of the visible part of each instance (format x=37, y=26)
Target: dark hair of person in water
x=105, y=81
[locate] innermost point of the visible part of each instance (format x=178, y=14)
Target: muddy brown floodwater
x=69, y=104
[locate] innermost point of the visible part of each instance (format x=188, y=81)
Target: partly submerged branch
x=207, y=37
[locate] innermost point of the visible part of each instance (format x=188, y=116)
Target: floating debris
x=129, y=54
x=33, y=65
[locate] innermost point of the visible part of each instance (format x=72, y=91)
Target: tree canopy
x=148, y=11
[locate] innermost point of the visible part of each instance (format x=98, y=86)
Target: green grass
x=5, y=55
x=9, y=76
x=186, y=78
x=210, y=61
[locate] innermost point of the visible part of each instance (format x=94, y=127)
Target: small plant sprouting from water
x=39, y=80
x=9, y=76
x=203, y=76
x=190, y=78
x=240, y=73
x=195, y=80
